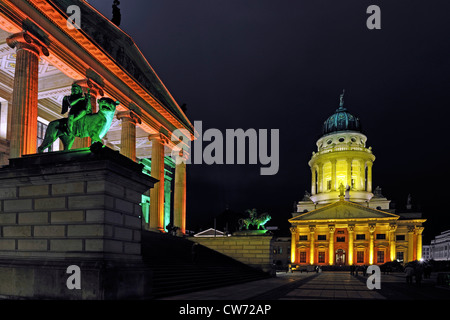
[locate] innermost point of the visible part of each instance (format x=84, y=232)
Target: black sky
x=269, y=64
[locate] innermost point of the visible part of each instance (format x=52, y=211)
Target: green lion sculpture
x=94, y=126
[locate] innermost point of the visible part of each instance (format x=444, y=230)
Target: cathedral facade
x=343, y=220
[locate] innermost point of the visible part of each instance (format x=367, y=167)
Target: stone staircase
x=176, y=269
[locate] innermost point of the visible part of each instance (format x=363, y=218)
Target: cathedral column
x=371, y=244
x=156, y=219
x=331, y=254
x=351, y=229
x=362, y=183
x=320, y=177
x=94, y=92
x=294, y=237
x=312, y=229
x=369, y=176
x=411, y=230
x=392, y=241
x=349, y=172
x=419, y=231
x=333, y=175
x=313, y=180
x=128, y=133
x=179, y=199
x=24, y=109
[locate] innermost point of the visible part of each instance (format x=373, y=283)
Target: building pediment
x=344, y=210
x=122, y=48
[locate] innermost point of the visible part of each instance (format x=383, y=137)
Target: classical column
x=333, y=174
x=156, y=219
x=371, y=244
x=313, y=180
x=179, y=198
x=94, y=91
x=128, y=133
x=320, y=178
x=411, y=230
x=351, y=229
x=362, y=180
x=312, y=229
x=294, y=236
x=349, y=172
x=331, y=254
x=369, y=176
x=4, y=119
x=25, y=93
x=392, y=241
x=419, y=231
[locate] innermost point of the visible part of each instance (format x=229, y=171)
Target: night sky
x=269, y=64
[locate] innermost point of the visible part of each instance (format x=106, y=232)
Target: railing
x=341, y=148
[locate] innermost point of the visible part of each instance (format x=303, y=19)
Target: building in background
x=343, y=221
x=439, y=248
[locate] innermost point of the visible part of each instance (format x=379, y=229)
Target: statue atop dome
x=341, y=99
x=341, y=120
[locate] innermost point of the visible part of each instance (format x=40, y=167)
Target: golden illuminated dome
x=341, y=161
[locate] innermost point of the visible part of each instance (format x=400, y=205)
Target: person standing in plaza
x=419, y=274
x=409, y=271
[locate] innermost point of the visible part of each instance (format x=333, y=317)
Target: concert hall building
x=41, y=57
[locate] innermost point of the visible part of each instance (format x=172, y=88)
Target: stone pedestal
x=72, y=208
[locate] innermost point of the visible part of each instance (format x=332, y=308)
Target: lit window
x=380, y=257
x=303, y=257
x=360, y=257
x=321, y=257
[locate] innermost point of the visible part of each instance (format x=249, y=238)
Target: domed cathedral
x=343, y=221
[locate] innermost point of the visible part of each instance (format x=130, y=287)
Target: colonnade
x=363, y=182
x=312, y=245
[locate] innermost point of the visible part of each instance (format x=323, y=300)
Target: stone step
x=175, y=272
